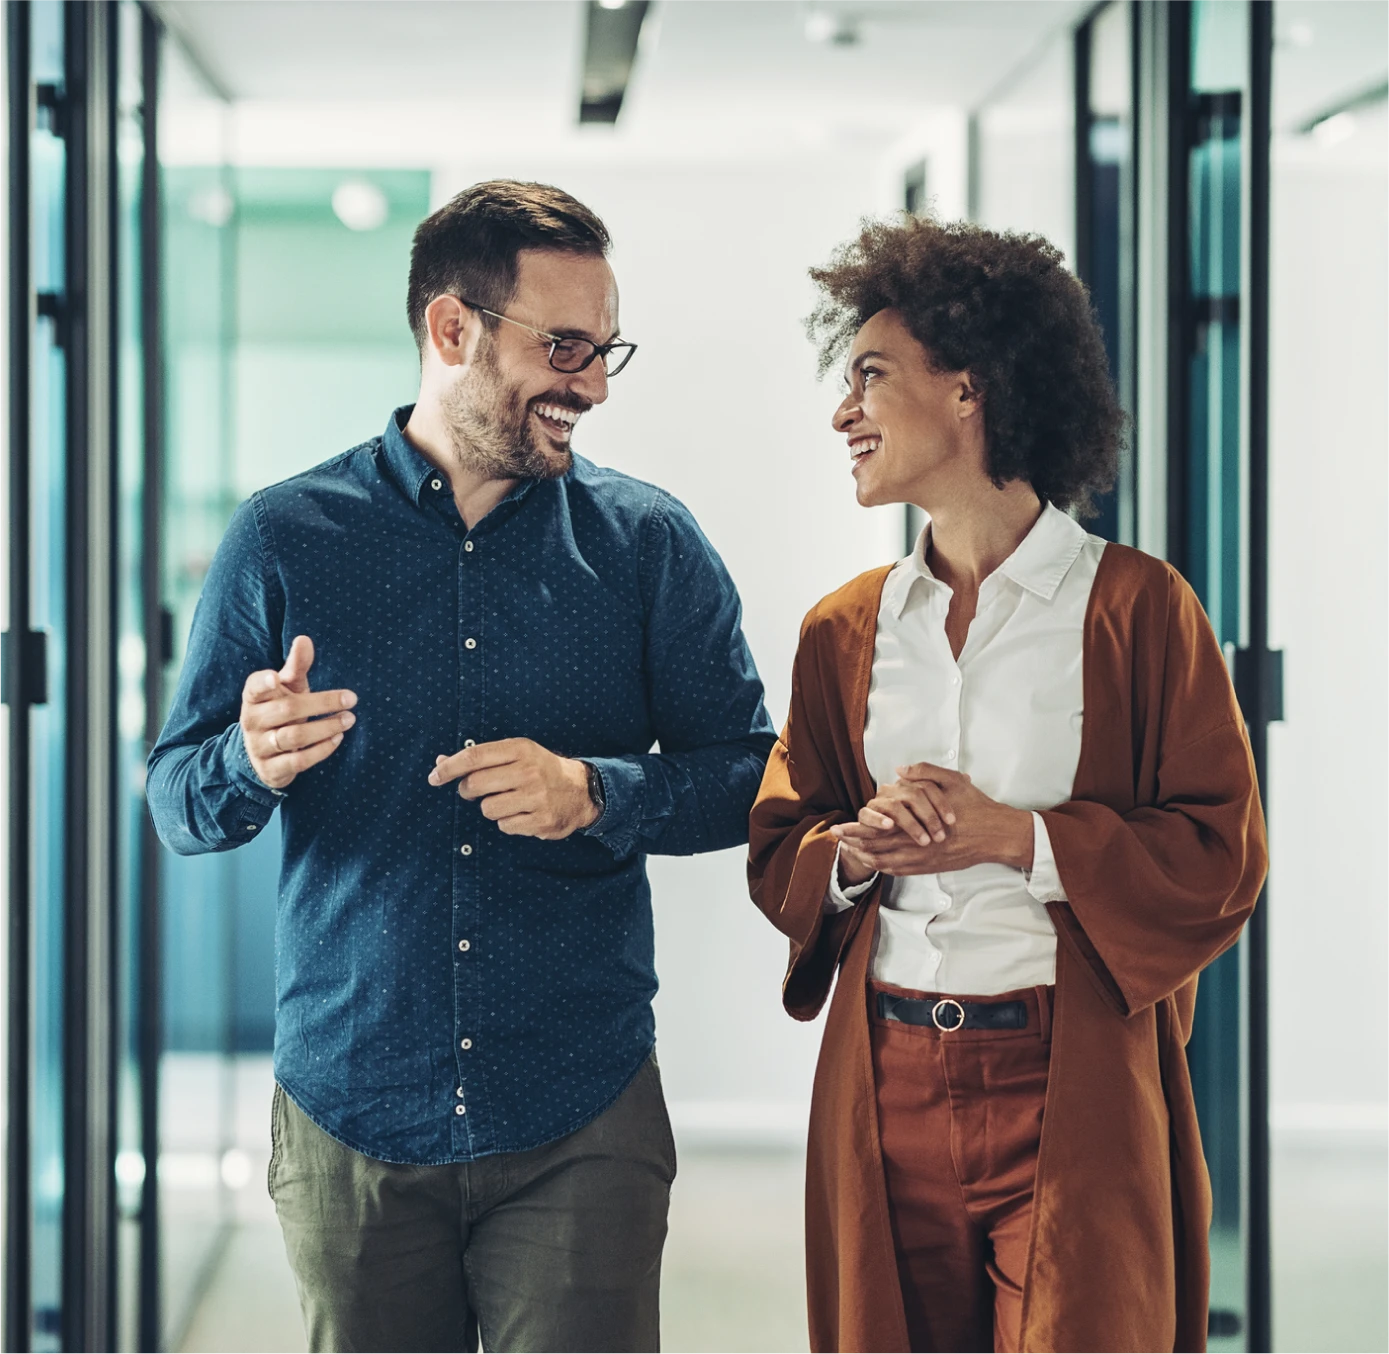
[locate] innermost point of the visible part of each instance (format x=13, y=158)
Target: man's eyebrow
x=584, y=334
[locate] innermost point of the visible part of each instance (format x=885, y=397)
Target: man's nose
x=591, y=383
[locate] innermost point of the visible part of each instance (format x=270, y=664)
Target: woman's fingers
x=897, y=813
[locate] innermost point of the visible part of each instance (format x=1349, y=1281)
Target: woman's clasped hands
x=930, y=821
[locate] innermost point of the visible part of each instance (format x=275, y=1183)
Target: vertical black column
x=1263, y=694
x=1084, y=173
x=1179, y=309
x=156, y=631
x=18, y=693
x=89, y=996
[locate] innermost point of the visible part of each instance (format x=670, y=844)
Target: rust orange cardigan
x=1162, y=854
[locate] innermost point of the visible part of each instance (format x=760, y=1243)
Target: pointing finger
x=295, y=673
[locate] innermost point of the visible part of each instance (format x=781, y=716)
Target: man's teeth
x=857, y=449
x=558, y=413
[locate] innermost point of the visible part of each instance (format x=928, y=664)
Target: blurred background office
x=209, y=210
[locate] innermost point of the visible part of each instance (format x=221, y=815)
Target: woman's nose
x=845, y=416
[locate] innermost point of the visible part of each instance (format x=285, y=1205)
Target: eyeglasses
x=571, y=354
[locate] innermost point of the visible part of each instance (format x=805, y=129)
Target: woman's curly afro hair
x=1003, y=308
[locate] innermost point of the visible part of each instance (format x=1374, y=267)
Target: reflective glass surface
x=196, y=918
x=1216, y=566
x=48, y=505
x=130, y=666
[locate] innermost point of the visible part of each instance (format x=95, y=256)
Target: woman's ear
x=969, y=395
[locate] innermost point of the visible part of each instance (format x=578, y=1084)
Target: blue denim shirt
x=445, y=991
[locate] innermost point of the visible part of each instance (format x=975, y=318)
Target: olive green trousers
x=556, y=1249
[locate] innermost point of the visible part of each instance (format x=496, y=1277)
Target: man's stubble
x=491, y=428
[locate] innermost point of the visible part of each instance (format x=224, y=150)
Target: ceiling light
x=822, y=26
x=360, y=205
x=613, y=38
x=1335, y=129
x=213, y=206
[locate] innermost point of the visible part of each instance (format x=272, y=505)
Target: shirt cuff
x=837, y=898
x=242, y=774
x=624, y=793
x=1043, y=879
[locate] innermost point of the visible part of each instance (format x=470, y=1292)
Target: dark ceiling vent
x=609, y=53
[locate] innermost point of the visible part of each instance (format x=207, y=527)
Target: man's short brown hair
x=1004, y=308
x=468, y=247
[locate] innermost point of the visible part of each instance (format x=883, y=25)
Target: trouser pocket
x=276, y=1138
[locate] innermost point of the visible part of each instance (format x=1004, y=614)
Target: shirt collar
x=1043, y=558
x=412, y=472
x=410, y=469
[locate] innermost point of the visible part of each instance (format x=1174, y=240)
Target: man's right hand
x=286, y=727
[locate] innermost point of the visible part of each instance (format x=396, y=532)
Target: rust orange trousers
x=960, y=1118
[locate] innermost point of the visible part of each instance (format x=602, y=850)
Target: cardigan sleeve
x=804, y=793
x=1156, y=893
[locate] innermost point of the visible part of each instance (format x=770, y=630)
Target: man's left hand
x=890, y=831
x=525, y=789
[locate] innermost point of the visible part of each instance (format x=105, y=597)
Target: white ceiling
x=397, y=81
x=1325, y=51
x=515, y=63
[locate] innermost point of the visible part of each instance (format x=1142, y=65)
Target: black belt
x=947, y=1014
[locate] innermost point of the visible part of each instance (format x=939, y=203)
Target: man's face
x=904, y=421
x=511, y=413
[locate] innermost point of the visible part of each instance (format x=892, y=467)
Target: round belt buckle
x=935, y=1014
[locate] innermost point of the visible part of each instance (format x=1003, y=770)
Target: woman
x=1014, y=806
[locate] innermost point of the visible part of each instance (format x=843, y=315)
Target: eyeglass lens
x=570, y=355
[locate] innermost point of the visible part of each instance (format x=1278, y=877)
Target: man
x=445, y=656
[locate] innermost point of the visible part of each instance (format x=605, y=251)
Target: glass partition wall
x=196, y=944
x=1163, y=111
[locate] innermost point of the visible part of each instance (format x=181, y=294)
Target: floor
x=732, y=1277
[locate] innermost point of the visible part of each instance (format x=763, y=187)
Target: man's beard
x=492, y=430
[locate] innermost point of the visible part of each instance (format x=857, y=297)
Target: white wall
x=722, y=408
x=1330, y=475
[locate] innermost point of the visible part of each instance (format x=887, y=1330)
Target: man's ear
x=455, y=330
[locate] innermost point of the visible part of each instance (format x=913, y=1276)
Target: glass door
x=1216, y=536
x=48, y=600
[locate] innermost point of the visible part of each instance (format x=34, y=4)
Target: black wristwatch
x=595, y=789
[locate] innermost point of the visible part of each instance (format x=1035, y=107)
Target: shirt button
x=465, y=850
x=458, y=1091
x=436, y=484
x=465, y=945
x=468, y=743
x=458, y=1109
x=468, y=546
x=950, y=756
x=465, y=1046
x=470, y=644
x=955, y=680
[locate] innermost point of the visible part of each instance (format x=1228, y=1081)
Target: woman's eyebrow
x=859, y=361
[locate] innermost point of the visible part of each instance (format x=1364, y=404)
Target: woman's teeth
x=864, y=446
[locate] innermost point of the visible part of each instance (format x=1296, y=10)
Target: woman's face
x=912, y=431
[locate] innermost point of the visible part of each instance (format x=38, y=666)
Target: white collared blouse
x=1009, y=714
